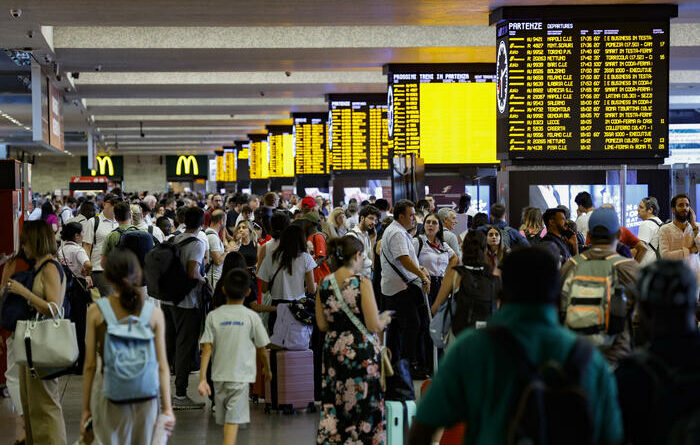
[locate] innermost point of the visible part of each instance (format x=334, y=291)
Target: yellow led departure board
x=242, y=163
x=445, y=113
x=259, y=157
x=358, y=132
x=281, y=142
x=310, y=143
x=226, y=165
x=579, y=87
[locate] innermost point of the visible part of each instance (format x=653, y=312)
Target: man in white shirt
x=403, y=283
x=680, y=240
x=84, y=216
x=182, y=321
x=364, y=231
x=67, y=210
x=648, y=211
x=584, y=210
x=94, y=234
x=217, y=253
x=35, y=214
x=137, y=219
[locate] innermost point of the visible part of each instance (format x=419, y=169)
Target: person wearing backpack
x=597, y=297
x=660, y=384
x=43, y=413
x=128, y=333
x=648, y=212
x=487, y=374
x=127, y=235
x=94, y=235
x=511, y=237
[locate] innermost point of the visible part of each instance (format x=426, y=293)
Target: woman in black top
x=245, y=244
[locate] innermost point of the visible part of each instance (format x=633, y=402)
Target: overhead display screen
x=226, y=164
x=358, y=132
x=573, y=88
x=445, y=113
x=259, y=157
x=310, y=143
x=242, y=163
x=281, y=143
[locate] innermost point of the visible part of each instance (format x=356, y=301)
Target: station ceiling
x=197, y=75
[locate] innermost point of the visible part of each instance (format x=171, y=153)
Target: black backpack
x=675, y=406
x=476, y=297
x=165, y=275
x=550, y=407
x=137, y=241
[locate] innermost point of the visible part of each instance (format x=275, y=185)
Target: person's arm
x=262, y=250
x=263, y=356
x=90, y=364
x=87, y=268
x=412, y=267
x=218, y=257
x=309, y=282
x=158, y=321
x=665, y=247
x=639, y=250
x=369, y=308
x=445, y=289
x=321, y=321
x=203, y=387
x=88, y=248
x=193, y=271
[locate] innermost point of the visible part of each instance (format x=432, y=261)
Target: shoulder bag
x=387, y=370
x=441, y=324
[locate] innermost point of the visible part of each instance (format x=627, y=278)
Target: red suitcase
x=450, y=436
x=257, y=389
x=292, y=385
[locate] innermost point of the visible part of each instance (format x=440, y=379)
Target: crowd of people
x=367, y=275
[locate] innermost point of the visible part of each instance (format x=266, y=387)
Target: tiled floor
x=193, y=427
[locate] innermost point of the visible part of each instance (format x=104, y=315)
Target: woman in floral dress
x=353, y=402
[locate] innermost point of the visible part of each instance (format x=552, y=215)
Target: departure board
x=310, y=146
x=242, y=163
x=445, y=113
x=259, y=157
x=281, y=142
x=358, y=132
x=578, y=88
x=226, y=164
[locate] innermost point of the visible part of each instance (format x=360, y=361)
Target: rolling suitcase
x=292, y=385
x=257, y=389
x=399, y=417
x=450, y=436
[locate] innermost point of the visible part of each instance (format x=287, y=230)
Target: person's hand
x=83, y=420
x=170, y=424
x=691, y=217
x=204, y=389
x=89, y=282
x=18, y=288
x=267, y=373
x=426, y=287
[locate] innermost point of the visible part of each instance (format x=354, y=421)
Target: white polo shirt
x=396, y=242
x=73, y=256
x=105, y=227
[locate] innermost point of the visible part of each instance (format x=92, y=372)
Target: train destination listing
x=586, y=90
x=310, y=143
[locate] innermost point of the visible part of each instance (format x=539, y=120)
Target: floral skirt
x=353, y=402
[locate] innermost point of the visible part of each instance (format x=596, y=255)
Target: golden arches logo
x=189, y=162
x=104, y=164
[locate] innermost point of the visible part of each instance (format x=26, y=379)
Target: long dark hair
x=123, y=270
x=292, y=244
x=440, y=231
x=46, y=210
x=474, y=250
x=233, y=260
x=278, y=222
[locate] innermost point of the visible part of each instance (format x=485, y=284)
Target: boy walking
x=235, y=334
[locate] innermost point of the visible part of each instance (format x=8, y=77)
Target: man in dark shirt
x=236, y=203
x=557, y=231
x=651, y=402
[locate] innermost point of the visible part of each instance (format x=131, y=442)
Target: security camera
x=15, y=13
x=98, y=68
x=75, y=75
x=288, y=73
x=262, y=94
x=30, y=34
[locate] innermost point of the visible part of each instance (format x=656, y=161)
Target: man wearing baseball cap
x=308, y=204
x=603, y=227
x=659, y=385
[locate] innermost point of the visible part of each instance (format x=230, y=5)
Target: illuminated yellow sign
x=188, y=162
x=104, y=164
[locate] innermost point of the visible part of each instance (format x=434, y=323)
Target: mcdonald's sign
x=109, y=166
x=186, y=167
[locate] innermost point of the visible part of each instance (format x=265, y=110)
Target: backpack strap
x=420, y=246
x=150, y=230
x=146, y=312
x=107, y=312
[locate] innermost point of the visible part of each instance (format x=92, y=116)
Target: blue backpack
x=130, y=363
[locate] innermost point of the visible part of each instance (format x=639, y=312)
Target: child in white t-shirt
x=236, y=335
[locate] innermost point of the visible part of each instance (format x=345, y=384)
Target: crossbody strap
x=353, y=318
x=396, y=269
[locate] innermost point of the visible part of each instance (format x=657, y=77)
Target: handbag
x=387, y=369
x=49, y=346
x=441, y=324
x=14, y=306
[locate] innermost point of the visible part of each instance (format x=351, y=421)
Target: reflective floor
x=193, y=427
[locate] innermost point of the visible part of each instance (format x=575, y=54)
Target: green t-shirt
x=475, y=383
x=112, y=239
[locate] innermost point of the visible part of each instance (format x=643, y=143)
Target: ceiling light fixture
x=14, y=121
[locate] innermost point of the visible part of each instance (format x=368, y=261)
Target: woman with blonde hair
x=335, y=227
x=532, y=227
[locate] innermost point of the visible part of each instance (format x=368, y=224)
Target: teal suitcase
x=399, y=418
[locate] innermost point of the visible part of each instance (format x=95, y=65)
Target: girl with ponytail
x=347, y=312
x=130, y=422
